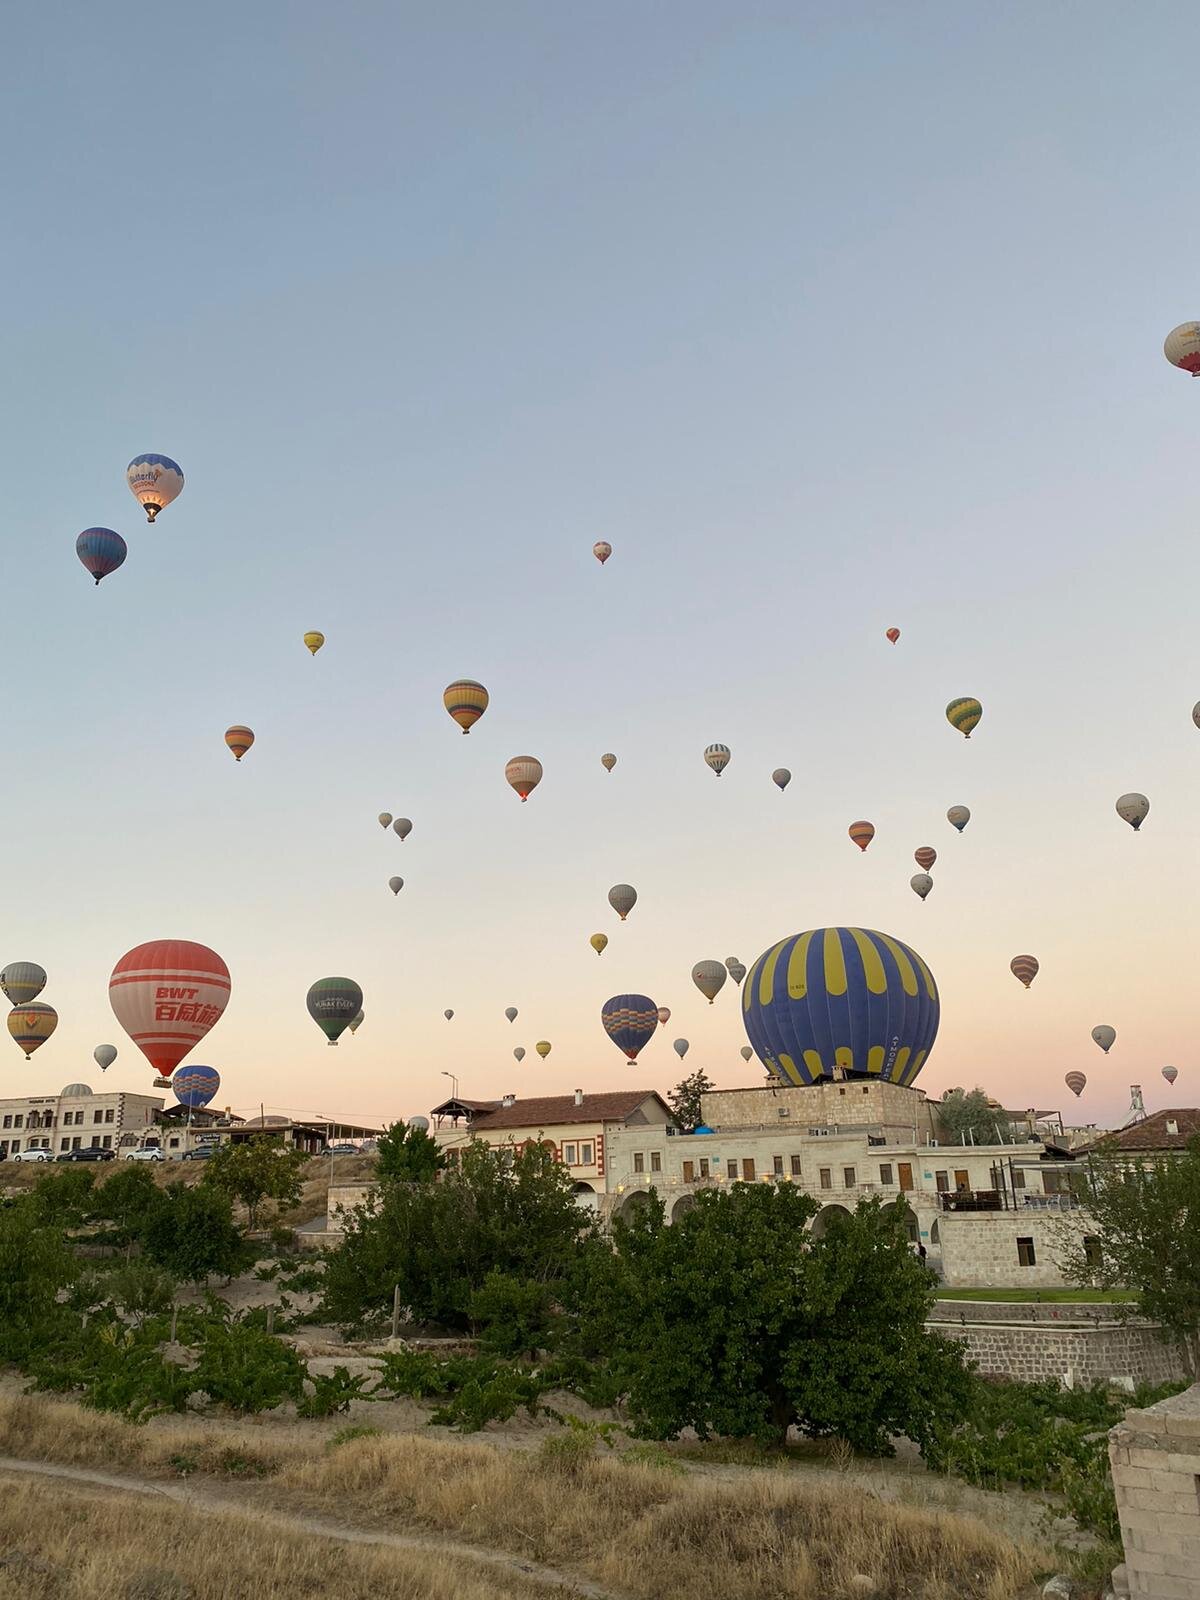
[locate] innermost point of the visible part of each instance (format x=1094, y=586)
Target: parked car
x=33, y=1155
x=94, y=1153
x=200, y=1153
x=145, y=1152
x=340, y=1150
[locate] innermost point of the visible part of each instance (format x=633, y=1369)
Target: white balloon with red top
x=167, y=994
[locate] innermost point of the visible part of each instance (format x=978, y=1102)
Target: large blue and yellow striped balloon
x=841, y=998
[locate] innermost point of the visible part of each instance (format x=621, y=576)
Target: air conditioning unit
x=933, y=1144
x=785, y=1111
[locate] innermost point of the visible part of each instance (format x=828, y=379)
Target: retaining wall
x=1075, y=1344
x=1155, y=1457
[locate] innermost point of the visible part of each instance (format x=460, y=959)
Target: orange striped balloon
x=1025, y=968
x=239, y=740
x=925, y=857
x=466, y=701
x=862, y=833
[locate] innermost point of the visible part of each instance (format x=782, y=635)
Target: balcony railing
x=1002, y=1200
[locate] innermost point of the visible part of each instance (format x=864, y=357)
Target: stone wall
x=1075, y=1344
x=821, y=1105
x=979, y=1250
x=1155, y=1457
x=343, y=1197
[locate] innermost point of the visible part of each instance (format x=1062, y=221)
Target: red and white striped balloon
x=166, y=995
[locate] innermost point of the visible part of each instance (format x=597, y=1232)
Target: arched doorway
x=907, y=1218
x=632, y=1204
x=829, y=1216
x=585, y=1196
x=685, y=1203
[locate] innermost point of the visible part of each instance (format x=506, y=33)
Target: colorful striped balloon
x=101, y=550
x=838, y=1001
x=239, y=739
x=1076, y=1082
x=32, y=1025
x=925, y=857
x=717, y=757
x=195, y=1086
x=1025, y=968
x=1182, y=347
x=629, y=1021
x=154, y=481
x=523, y=773
x=964, y=714
x=466, y=701
x=862, y=833
x=166, y=995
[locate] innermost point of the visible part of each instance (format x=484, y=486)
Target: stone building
x=74, y=1119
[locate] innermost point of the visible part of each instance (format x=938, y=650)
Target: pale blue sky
x=827, y=316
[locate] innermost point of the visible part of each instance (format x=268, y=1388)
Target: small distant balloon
x=746, y=1052
x=781, y=777
x=22, y=981
x=717, y=757
x=1133, y=809
x=920, y=883
x=964, y=714
x=519, y=1052
x=356, y=1022
x=1104, y=1036
x=1182, y=347
x=402, y=826
x=385, y=819
x=466, y=701
x=448, y=1013
x=608, y=761
x=622, y=897
x=1196, y=713
x=892, y=635
x=154, y=481
x=1170, y=1073
x=1076, y=1082
x=599, y=943
x=101, y=550
x=543, y=1048
x=1024, y=968
x=664, y=1015
x=709, y=977
x=602, y=550
x=681, y=1047
x=511, y=1013
x=314, y=641
x=239, y=739
x=736, y=971
x=395, y=885
x=958, y=817
x=862, y=833
x=925, y=857
x=104, y=1055
x=32, y=1025
x=524, y=773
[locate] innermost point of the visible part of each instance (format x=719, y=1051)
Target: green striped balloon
x=964, y=714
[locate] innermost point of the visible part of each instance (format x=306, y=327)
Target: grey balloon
x=421, y=1124
x=746, y=1052
x=104, y=1055
x=622, y=897
x=781, y=777
x=519, y=1052
x=511, y=1013
x=402, y=826
x=737, y=972
x=680, y=1048
x=395, y=885
x=709, y=977
x=385, y=819
x=1133, y=809
x=920, y=883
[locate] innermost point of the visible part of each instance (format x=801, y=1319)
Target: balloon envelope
x=511, y=1013
x=608, y=761
x=893, y=634
x=519, y=1052
x=602, y=550
x=717, y=757
x=543, y=1048
x=709, y=977
x=958, y=817
x=862, y=833
x=781, y=777
x=167, y=994
x=964, y=714
x=1104, y=1036
x=356, y=1022
x=101, y=550
x=395, y=885
x=314, y=641
x=1182, y=347
x=599, y=943
x=31, y=1025
x=1196, y=713
x=1025, y=968
x=746, y=1052
x=154, y=482
x=333, y=1003
x=22, y=981
x=680, y=1048
x=920, y=883
x=1076, y=1082
x=104, y=1055
x=239, y=739
x=736, y=971
x=1170, y=1073
x=523, y=773
x=841, y=1000
x=622, y=897
x=385, y=819
x=1133, y=809
x=664, y=1015
x=402, y=827
x=629, y=1021
x=925, y=857
x=466, y=701
x=195, y=1086
x=448, y=1013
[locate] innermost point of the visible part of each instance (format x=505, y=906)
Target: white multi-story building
x=74, y=1119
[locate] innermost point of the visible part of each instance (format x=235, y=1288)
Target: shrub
x=191, y=1233
x=255, y=1172
x=333, y=1392
x=484, y=1400
x=139, y=1289
x=514, y=1316
x=35, y=1263
x=247, y=1370
x=126, y=1200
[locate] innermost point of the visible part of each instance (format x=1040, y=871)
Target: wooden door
x=904, y=1169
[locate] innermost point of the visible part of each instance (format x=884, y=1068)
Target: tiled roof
x=544, y=1111
x=1152, y=1134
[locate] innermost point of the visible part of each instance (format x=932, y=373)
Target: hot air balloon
x=717, y=757
x=448, y=1014
x=543, y=1048
x=395, y=885
x=519, y=1052
x=32, y=1025
x=101, y=550
x=314, y=641
x=920, y=883
x=736, y=971
x=333, y=1003
x=746, y=1052
x=964, y=714
x=1104, y=1036
x=622, y=897
x=925, y=857
x=1133, y=809
x=511, y=1013
x=781, y=777
x=1025, y=968
x=681, y=1048
x=356, y=1022
x=154, y=481
x=104, y=1055
x=602, y=550
x=730, y=963
x=608, y=761
x=1182, y=347
x=385, y=819
x=862, y=833
x=837, y=1001
x=958, y=817
x=22, y=981
x=629, y=1021
x=402, y=826
x=1076, y=1082
x=239, y=740
x=709, y=977
x=664, y=1015
x=523, y=773
x=195, y=1086
x=1170, y=1073
x=892, y=635
x=599, y=943
x=167, y=994
x=1196, y=713
x=466, y=701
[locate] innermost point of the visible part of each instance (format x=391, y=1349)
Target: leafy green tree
x=967, y=1112
x=35, y=1263
x=259, y=1170
x=684, y=1098
x=139, y=1289
x=408, y=1155
x=514, y=1316
x=65, y=1197
x=513, y=1212
x=1141, y=1231
x=127, y=1199
x=191, y=1233
x=735, y=1320
x=247, y=1369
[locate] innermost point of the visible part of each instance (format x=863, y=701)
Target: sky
x=830, y=317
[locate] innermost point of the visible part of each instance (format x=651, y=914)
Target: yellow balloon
x=543, y=1048
x=314, y=641
x=599, y=943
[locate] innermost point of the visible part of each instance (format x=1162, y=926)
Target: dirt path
x=206, y=1497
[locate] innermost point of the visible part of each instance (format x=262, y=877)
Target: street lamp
x=453, y=1080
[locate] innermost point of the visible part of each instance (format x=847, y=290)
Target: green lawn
x=1047, y=1296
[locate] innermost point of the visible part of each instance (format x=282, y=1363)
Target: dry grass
x=61, y=1539
x=314, y=1197
x=648, y=1533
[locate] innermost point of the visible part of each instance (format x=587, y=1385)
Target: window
x=826, y=1178
x=95, y=1141
x=866, y=1088
x=19, y=1119
x=586, y=1158
x=942, y=1179
x=777, y=1166
x=1026, y=1254
x=1092, y=1252
x=108, y=1115
x=885, y=1172
x=107, y=1141
x=731, y=1165
x=655, y=1161
x=8, y=1121
x=1018, y=1178
x=172, y=1144
x=848, y=1177
x=64, y=1144
x=75, y=1143
x=689, y=1171
x=795, y=1166
x=569, y=1154
x=704, y=1166
x=16, y=1145
x=748, y=1169
x=97, y=1116
x=639, y=1161
x=962, y=1180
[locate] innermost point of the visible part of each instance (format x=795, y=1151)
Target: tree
x=408, y=1155
x=65, y=1197
x=35, y=1263
x=737, y=1320
x=259, y=1170
x=512, y=1212
x=191, y=1233
x=1144, y=1235
x=684, y=1098
x=968, y=1112
x=127, y=1199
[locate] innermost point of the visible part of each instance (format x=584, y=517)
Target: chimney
x=579, y=1097
x=508, y=1100
x=1172, y=1125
